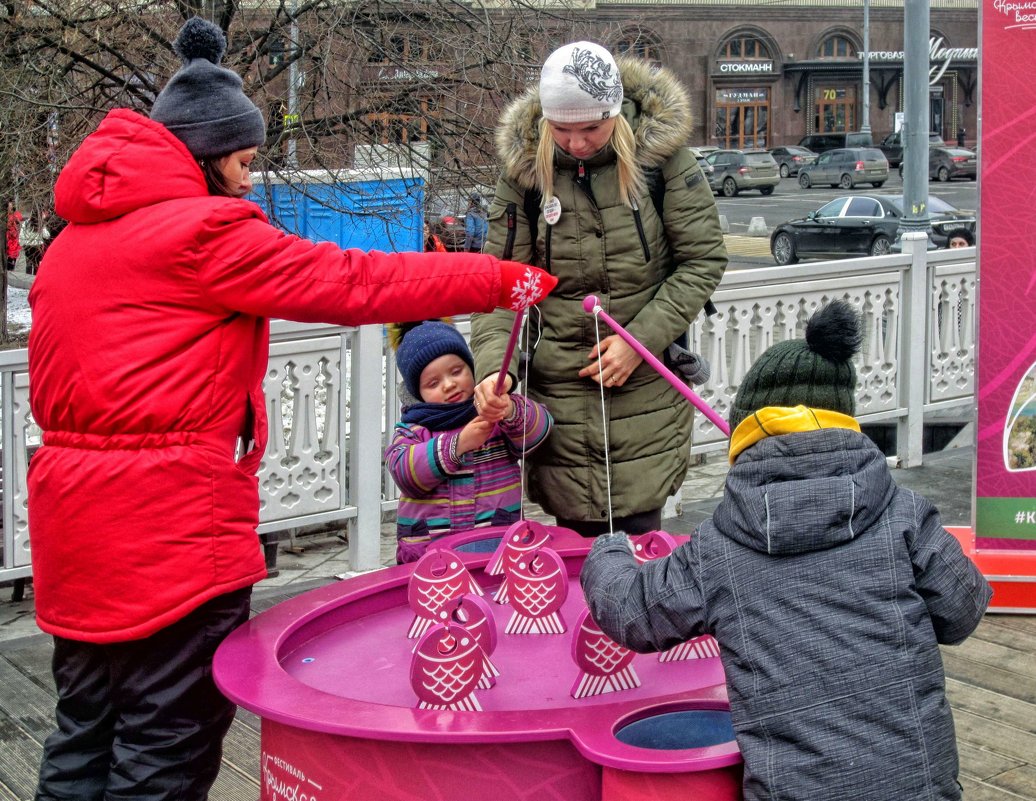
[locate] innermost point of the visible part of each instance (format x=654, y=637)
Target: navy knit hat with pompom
x=203, y=103
x=423, y=344
x=816, y=371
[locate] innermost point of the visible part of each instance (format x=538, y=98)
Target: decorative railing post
x=913, y=372
x=365, y=411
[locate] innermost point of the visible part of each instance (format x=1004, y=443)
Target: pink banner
x=1006, y=383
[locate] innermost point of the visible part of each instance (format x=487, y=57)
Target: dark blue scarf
x=440, y=416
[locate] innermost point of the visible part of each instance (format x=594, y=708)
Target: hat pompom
x=834, y=332
x=396, y=331
x=199, y=38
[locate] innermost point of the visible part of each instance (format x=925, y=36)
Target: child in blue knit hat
x=456, y=465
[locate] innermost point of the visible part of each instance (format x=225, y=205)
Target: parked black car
x=821, y=143
x=737, y=170
x=846, y=167
x=863, y=225
x=790, y=157
x=860, y=225
x=892, y=146
x=949, y=162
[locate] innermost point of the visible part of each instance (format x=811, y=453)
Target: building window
x=744, y=47
x=639, y=47
x=742, y=118
x=836, y=47
x=403, y=123
x=836, y=108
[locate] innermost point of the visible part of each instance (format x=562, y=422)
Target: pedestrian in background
x=828, y=588
x=33, y=238
x=475, y=225
x=147, y=355
x=14, y=229
x=589, y=146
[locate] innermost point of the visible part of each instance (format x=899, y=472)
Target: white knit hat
x=580, y=83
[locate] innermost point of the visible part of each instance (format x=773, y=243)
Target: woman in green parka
x=582, y=153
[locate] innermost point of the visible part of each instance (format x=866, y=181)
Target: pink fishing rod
x=591, y=305
x=516, y=330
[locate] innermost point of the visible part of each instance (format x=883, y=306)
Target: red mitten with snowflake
x=522, y=285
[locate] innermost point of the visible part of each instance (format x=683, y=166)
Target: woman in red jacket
x=147, y=354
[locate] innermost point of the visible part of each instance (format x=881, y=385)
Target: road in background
x=791, y=201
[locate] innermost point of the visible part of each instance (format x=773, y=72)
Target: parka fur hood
x=655, y=104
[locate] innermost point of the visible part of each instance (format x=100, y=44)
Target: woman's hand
x=617, y=361
x=490, y=406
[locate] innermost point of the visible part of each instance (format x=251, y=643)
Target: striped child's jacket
x=442, y=494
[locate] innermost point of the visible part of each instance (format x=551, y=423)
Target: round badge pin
x=552, y=210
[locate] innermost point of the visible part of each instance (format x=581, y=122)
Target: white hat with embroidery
x=580, y=82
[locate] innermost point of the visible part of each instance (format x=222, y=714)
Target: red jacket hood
x=104, y=179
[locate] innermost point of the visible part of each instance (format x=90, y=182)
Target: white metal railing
x=331, y=408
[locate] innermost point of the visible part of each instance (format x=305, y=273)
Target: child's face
x=447, y=379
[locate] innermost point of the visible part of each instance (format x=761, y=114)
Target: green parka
x=651, y=275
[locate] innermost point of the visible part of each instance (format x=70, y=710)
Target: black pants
x=640, y=523
x=33, y=257
x=143, y=719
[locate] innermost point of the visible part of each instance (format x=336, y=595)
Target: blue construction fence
x=362, y=209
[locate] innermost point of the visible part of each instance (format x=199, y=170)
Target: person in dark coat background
x=828, y=588
x=147, y=355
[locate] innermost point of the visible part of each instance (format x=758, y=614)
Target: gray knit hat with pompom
x=816, y=371
x=203, y=103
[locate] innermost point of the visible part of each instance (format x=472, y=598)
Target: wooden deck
x=991, y=681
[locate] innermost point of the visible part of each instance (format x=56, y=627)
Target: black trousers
x=640, y=523
x=142, y=719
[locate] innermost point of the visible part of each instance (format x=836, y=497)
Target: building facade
x=763, y=75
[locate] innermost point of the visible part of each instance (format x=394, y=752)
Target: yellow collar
x=773, y=421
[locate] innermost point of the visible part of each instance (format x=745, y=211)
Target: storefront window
x=742, y=118
x=836, y=109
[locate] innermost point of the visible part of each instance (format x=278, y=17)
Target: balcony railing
x=331, y=408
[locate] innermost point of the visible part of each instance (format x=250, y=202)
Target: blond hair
x=631, y=176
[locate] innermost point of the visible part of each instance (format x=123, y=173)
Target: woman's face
x=235, y=171
x=582, y=140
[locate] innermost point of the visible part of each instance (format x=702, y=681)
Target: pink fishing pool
x=328, y=674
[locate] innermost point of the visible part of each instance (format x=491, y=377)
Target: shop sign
x=939, y=56
x=745, y=67
x=738, y=96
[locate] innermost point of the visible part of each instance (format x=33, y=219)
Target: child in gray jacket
x=828, y=587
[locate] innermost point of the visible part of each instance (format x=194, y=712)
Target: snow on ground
x=18, y=313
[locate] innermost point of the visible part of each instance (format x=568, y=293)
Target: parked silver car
x=737, y=170
x=790, y=158
x=846, y=167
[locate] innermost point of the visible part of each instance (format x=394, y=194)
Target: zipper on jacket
x=640, y=231
x=511, y=213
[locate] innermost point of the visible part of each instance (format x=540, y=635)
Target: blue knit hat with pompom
x=423, y=344
x=203, y=104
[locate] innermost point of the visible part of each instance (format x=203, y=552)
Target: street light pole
x=292, y=117
x=866, y=126
x=915, y=130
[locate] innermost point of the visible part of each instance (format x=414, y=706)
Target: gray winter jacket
x=652, y=274
x=828, y=588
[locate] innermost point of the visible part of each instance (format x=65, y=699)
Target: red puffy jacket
x=147, y=352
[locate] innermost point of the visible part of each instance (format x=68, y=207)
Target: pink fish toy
x=604, y=665
x=652, y=545
x=521, y=538
x=446, y=668
x=703, y=647
x=439, y=576
x=539, y=587
x=475, y=615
